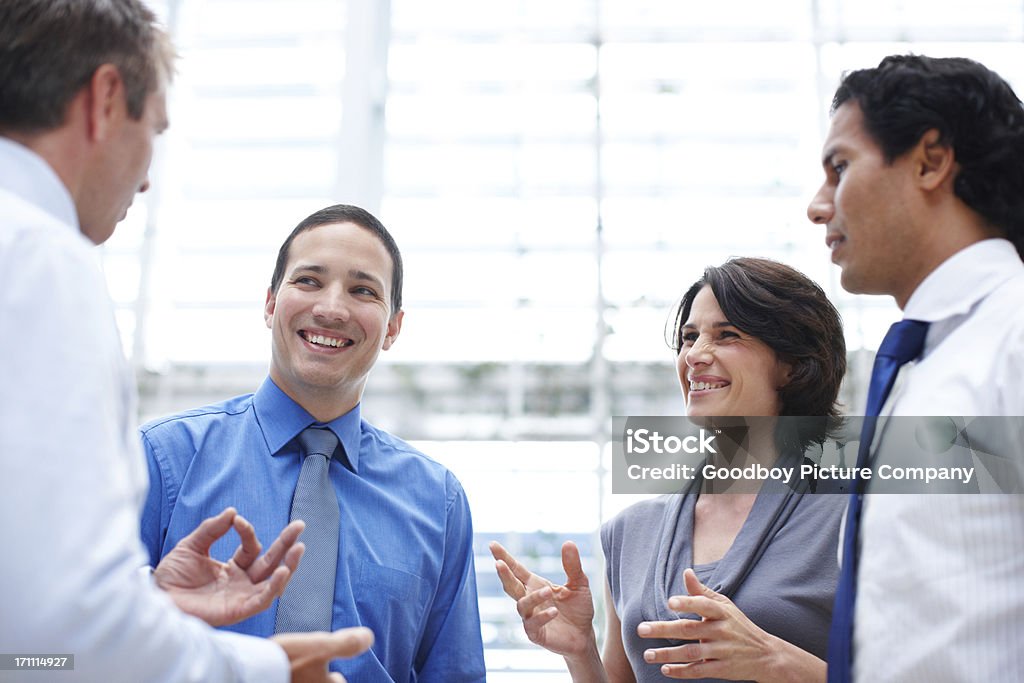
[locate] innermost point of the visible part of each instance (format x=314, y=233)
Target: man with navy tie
x=923, y=200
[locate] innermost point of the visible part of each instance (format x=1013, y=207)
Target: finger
x=274, y=586
x=279, y=580
x=250, y=548
x=498, y=551
x=321, y=646
x=518, y=570
x=695, y=587
x=677, y=629
x=512, y=586
x=709, y=668
x=209, y=531
x=293, y=556
x=532, y=601
x=265, y=565
x=348, y=642
x=317, y=648
x=538, y=621
x=680, y=654
x=704, y=606
x=573, y=566
x=267, y=591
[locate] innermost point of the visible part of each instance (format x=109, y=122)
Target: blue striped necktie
x=308, y=601
x=903, y=343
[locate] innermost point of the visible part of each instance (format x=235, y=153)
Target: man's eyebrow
x=309, y=268
x=363, y=275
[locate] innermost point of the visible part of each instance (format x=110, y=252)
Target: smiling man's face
x=331, y=316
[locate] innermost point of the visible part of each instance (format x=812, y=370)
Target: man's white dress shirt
x=72, y=476
x=940, y=591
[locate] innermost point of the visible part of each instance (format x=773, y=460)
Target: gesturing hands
x=558, y=618
x=223, y=593
x=730, y=646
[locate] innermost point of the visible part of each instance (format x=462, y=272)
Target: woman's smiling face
x=723, y=370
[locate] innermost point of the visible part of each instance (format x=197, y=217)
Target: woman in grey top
x=704, y=585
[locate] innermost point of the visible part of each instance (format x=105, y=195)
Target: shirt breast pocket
x=392, y=602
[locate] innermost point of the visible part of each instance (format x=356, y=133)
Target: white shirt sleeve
x=71, y=481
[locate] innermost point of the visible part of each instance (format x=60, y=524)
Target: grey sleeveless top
x=781, y=570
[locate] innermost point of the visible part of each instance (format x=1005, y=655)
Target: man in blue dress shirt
x=405, y=554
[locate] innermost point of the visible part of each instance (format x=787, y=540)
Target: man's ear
x=268, y=308
x=106, y=105
x=936, y=163
x=394, y=327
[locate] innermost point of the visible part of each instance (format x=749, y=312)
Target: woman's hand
x=558, y=618
x=730, y=646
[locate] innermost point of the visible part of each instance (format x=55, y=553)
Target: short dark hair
x=49, y=49
x=345, y=213
x=975, y=112
x=790, y=313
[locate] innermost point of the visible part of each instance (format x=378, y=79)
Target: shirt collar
x=28, y=176
x=281, y=420
x=949, y=294
x=962, y=280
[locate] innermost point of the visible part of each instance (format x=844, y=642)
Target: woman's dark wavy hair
x=975, y=112
x=791, y=314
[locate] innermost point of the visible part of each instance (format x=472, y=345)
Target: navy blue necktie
x=308, y=601
x=903, y=343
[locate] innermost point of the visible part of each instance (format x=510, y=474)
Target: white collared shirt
x=72, y=474
x=940, y=592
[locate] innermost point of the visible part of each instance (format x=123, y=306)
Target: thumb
x=573, y=566
x=349, y=642
x=695, y=587
x=317, y=648
x=210, y=530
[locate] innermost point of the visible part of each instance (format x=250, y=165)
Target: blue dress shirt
x=405, y=556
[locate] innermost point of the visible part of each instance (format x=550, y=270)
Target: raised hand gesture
x=222, y=593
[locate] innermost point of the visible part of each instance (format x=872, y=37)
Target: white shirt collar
x=28, y=176
x=962, y=280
